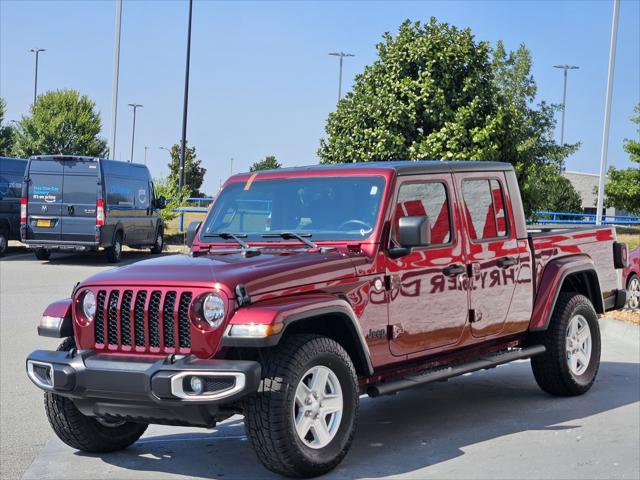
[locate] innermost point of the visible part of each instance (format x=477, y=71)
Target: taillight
x=99, y=213
x=23, y=210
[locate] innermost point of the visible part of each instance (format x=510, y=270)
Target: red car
x=309, y=287
x=631, y=279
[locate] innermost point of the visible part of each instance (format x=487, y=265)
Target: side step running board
x=482, y=363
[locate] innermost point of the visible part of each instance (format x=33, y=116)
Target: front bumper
x=142, y=389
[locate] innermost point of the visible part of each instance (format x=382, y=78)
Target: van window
x=120, y=193
x=484, y=209
x=142, y=195
x=428, y=198
x=80, y=189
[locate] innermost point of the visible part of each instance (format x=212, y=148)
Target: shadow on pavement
x=82, y=259
x=401, y=434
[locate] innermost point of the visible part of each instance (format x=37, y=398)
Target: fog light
x=197, y=385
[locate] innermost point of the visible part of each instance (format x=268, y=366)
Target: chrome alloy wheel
x=318, y=406
x=634, y=293
x=578, y=345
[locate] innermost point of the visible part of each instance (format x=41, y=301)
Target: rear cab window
x=484, y=209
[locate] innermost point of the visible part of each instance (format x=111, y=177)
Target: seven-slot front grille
x=148, y=320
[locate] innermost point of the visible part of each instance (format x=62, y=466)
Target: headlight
x=213, y=310
x=89, y=305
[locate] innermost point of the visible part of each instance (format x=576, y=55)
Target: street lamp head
x=136, y=105
x=341, y=54
x=37, y=50
x=566, y=67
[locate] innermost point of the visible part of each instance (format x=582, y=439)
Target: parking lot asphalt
x=493, y=424
x=27, y=286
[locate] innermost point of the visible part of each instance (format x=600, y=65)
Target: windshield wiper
x=247, y=250
x=301, y=237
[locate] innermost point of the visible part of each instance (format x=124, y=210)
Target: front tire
x=159, y=244
x=114, y=252
x=302, y=421
x=4, y=243
x=42, y=254
x=85, y=433
x=572, y=359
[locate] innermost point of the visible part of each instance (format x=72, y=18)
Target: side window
x=484, y=209
x=429, y=198
x=120, y=193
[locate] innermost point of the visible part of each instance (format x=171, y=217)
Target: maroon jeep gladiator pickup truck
x=308, y=287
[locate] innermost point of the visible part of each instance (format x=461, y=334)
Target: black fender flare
x=339, y=308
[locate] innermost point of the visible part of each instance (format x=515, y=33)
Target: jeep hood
x=267, y=272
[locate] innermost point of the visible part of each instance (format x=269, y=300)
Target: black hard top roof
x=409, y=167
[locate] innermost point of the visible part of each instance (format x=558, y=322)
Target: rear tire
x=114, y=252
x=572, y=359
x=633, y=292
x=4, y=243
x=302, y=421
x=87, y=433
x=42, y=254
x=159, y=245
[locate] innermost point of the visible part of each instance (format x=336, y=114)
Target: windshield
x=344, y=208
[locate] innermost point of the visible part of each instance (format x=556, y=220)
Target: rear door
x=493, y=251
x=79, y=194
x=44, y=199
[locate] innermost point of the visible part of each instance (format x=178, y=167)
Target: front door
x=492, y=250
x=428, y=298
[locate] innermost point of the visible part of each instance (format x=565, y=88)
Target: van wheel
x=159, y=245
x=42, y=254
x=4, y=242
x=114, y=252
x=302, y=421
x=571, y=362
x=89, y=434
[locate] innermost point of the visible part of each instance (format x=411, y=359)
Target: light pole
x=341, y=55
x=607, y=110
x=170, y=156
x=183, y=142
x=145, y=154
x=133, y=132
x=231, y=169
x=35, y=82
x=114, y=81
x=564, y=67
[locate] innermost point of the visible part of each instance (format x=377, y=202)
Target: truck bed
x=595, y=242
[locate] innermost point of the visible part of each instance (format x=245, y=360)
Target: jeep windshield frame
x=328, y=208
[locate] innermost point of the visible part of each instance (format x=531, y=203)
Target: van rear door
x=44, y=200
x=79, y=194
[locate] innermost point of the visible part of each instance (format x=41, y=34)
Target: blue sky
x=262, y=82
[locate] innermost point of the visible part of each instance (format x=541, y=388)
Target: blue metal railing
x=582, y=218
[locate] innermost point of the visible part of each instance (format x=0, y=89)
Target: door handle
x=70, y=209
x=506, y=262
x=454, y=270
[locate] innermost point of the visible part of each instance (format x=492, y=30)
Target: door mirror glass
x=192, y=229
x=414, y=231
x=161, y=202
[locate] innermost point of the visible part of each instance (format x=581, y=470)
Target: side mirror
x=412, y=232
x=161, y=202
x=192, y=229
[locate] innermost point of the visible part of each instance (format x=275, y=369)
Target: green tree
x=436, y=93
x=623, y=186
x=168, y=188
x=269, y=163
x=556, y=192
x=61, y=122
x=6, y=132
x=194, y=172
